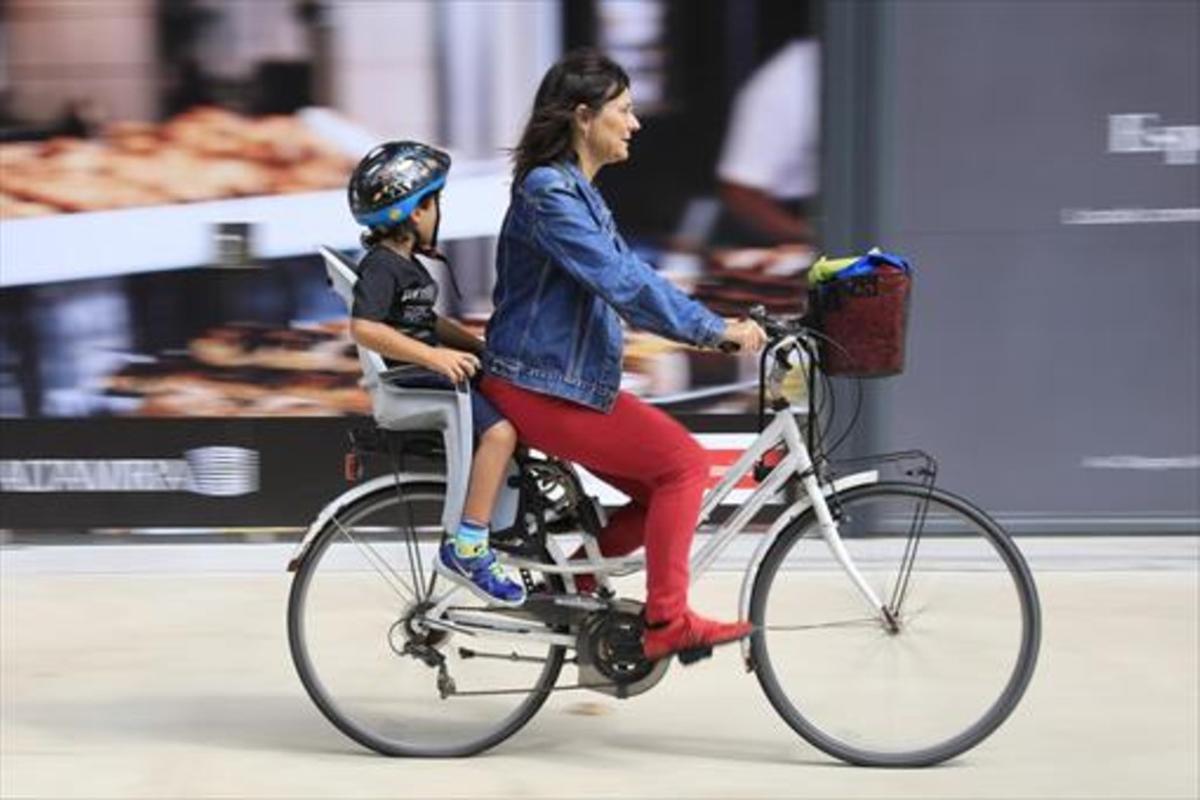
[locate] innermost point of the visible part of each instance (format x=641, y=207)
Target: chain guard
x=610, y=652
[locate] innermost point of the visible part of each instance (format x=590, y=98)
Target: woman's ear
x=582, y=115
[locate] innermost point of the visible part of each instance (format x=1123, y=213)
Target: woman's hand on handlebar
x=744, y=334
x=456, y=365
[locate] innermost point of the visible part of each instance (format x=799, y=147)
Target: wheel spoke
x=397, y=584
x=867, y=621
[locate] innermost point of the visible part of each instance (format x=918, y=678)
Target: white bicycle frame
x=797, y=462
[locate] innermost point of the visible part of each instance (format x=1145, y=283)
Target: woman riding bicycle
x=554, y=343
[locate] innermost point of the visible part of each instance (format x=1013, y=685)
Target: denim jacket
x=563, y=276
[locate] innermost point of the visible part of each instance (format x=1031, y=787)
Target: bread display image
x=736, y=279
x=317, y=348
x=247, y=370
x=312, y=370
x=203, y=154
x=15, y=208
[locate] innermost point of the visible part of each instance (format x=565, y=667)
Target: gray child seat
x=398, y=408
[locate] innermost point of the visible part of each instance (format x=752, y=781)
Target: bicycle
x=850, y=589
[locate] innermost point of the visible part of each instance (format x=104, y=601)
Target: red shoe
x=691, y=636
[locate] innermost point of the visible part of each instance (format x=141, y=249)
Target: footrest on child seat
x=513, y=542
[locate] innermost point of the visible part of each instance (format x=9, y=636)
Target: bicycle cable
x=858, y=400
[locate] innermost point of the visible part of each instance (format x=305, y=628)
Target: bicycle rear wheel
x=351, y=614
x=960, y=658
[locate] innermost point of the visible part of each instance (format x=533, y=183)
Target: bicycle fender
x=789, y=515
x=346, y=498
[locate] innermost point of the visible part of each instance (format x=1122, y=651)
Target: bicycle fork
x=828, y=528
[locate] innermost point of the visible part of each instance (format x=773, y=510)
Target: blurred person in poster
x=192, y=87
x=82, y=118
x=768, y=169
x=394, y=193
x=565, y=278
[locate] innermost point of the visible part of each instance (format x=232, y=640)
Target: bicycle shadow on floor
x=613, y=748
x=608, y=741
x=799, y=754
x=608, y=738
x=285, y=723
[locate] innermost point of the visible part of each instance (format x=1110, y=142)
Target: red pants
x=641, y=451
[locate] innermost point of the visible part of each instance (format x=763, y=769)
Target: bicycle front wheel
x=951, y=669
x=367, y=661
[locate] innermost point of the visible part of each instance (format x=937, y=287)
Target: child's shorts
x=483, y=414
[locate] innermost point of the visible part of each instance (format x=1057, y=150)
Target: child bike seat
x=402, y=408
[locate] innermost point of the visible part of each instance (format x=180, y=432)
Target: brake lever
x=757, y=313
x=774, y=328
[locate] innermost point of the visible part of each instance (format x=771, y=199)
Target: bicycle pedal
x=694, y=654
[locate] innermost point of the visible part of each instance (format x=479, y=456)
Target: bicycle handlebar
x=776, y=328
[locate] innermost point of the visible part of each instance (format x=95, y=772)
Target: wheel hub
x=410, y=636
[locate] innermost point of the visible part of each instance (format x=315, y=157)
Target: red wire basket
x=866, y=317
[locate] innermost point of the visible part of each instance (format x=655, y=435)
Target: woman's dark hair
x=581, y=76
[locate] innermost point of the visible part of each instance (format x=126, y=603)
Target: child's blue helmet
x=393, y=179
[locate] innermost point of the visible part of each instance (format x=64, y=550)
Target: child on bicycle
x=394, y=193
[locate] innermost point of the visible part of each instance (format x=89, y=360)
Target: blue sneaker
x=483, y=575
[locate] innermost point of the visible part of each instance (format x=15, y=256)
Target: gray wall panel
x=1036, y=345
x=1002, y=108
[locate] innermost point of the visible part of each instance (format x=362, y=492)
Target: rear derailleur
x=422, y=643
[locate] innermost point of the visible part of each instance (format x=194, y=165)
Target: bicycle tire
x=329, y=705
x=834, y=733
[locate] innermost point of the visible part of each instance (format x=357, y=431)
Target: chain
x=496, y=692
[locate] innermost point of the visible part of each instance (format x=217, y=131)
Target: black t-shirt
x=399, y=292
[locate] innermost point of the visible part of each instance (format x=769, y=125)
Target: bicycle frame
x=783, y=430
x=796, y=463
